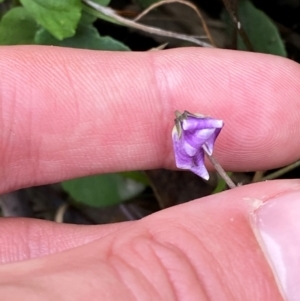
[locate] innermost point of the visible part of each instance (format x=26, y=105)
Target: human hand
x=65, y=111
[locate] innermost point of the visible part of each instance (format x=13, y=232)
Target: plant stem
x=108, y=14
x=282, y=171
x=221, y=171
x=258, y=176
x=231, y=7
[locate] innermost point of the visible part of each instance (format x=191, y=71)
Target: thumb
x=242, y=244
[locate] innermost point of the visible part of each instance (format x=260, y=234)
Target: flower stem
x=221, y=171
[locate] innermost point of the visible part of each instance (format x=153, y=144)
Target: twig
x=189, y=4
x=111, y=14
x=130, y=212
x=258, y=176
x=59, y=215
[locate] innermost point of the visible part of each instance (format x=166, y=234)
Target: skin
x=65, y=111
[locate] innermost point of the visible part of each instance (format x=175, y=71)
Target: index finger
x=68, y=113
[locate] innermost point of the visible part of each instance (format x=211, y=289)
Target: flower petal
x=182, y=159
x=198, y=166
x=209, y=144
x=197, y=138
x=194, y=136
x=183, y=144
x=193, y=123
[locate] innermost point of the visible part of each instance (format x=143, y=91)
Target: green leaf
x=262, y=32
x=137, y=176
x=87, y=18
x=86, y=37
x=102, y=2
x=59, y=17
x=102, y=190
x=221, y=186
x=17, y=27
x=100, y=15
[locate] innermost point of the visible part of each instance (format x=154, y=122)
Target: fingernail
x=278, y=225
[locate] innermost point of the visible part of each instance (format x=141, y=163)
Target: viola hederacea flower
x=193, y=136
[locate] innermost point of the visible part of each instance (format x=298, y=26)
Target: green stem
x=282, y=171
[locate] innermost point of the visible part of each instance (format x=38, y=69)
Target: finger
x=24, y=238
x=68, y=113
x=205, y=250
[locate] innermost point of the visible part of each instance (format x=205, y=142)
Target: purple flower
x=194, y=135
